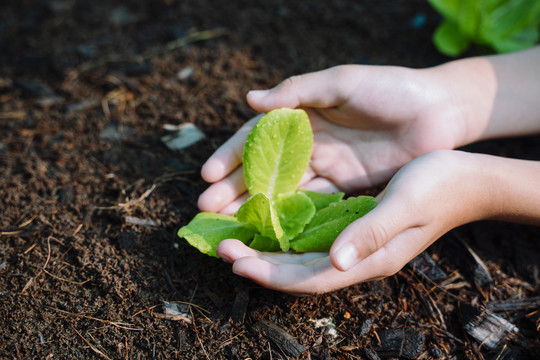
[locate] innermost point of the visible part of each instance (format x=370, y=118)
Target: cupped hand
x=368, y=121
x=426, y=198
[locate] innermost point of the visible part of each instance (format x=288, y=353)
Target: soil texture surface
x=91, y=197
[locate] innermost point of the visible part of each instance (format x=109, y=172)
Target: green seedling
x=504, y=25
x=278, y=216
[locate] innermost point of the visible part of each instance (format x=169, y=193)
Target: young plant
x=277, y=216
x=504, y=25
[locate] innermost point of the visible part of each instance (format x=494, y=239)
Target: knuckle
x=376, y=237
x=292, y=81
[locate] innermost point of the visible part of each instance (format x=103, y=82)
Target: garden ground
x=91, y=198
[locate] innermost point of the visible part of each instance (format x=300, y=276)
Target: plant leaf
x=322, y=200
x=509, y=17
x=329, y=222
x=449, y=39
x=263, y=243
x=520, y=40
x=207, y=230
x=259, y=212
x=449, y=9
x=295, y=210
x=277, y=152
x=469, y=18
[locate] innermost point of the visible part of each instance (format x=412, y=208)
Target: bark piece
x=470, y=264
x=484, y=326
x=426, y=267
x=280, y=338
x=406, y=343
x=515, y=305
x=239, y=307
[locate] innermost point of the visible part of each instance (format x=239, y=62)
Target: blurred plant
x=504, y=25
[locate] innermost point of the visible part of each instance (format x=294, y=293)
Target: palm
x=352, y=158
x=366, y=124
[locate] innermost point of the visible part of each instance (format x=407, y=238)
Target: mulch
x=91, y=197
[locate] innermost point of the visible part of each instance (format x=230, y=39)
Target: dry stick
x=143, y=310
x=46, y=271
x=194, y=325
x=19, y=228
x=229, y=340
x=66, y=280
x=77, y=230
x=12, y=115
x=27, y=222
x=29, y=283
x=17, y=351
x=444, y=332
x=148, y=54
x=97, y=351
x=125, y=326
x=30, y=248
x=129, y=203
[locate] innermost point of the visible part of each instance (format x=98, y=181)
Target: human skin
x=371, y=121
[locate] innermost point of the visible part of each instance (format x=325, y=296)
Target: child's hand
x=426, y=198
x=368, y=121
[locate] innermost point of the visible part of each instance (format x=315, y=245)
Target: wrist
x=512, y=189
x=465, y=97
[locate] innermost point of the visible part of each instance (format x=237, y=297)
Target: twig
x=143, y=310
x=125, y=326
x=229, y=340
x=66, y=280
x=24, y=223
x=77, y=230
x=130, y=203
x=12, y=115
x=97, y=351
x=171, y=317
x=445, y=332
x=19, y=228
x=30, y=248
x=195, y=326
x=31, y=281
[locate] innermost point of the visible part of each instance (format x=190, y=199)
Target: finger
x=290, y=278
x=315, y=276
x=233, y=207
x=234, y=249
x=393, y=256
x=318, y=89
x=370, y=233
x=320, y=184
x=231, y=250
x=224, y=192
x=228, y=156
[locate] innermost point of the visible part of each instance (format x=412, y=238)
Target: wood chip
x=424, y=266
x=484, y=326
x=469, y=263
x=280, y=338
x=405, y=343
x=241, y=300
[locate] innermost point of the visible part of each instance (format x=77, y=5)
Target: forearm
x=494, y=96
x=510, y=188
x=516, y=109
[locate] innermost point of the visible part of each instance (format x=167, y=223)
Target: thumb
x=318, y=89
x=368, y=234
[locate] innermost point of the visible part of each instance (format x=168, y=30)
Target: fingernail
x=258, y=94
x=346, y=257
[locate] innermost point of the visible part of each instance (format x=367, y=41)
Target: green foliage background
x=503, y=25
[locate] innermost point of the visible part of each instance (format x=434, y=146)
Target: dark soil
x=85, y=89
